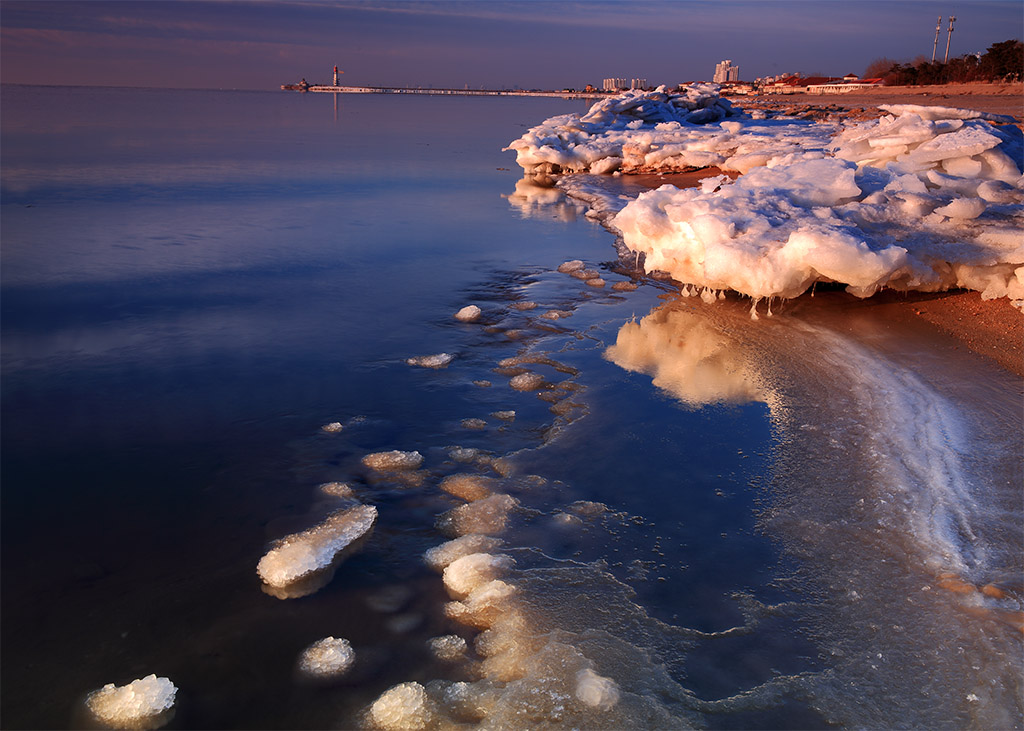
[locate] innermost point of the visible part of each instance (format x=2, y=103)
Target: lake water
x=780, y=524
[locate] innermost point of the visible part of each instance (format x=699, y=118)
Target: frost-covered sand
x=876, y=191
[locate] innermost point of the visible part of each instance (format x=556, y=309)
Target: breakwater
x=331, y=89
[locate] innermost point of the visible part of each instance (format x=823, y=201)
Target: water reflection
x=537, y=197
x=688, y=356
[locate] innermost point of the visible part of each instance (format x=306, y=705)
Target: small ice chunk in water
x=440, y=360
x=404, y=707
x=333, y=428
x=463, y=576
x=469, y=313
x=301, y=554
x=337, y=489
x=504, y=415
x=595, y=282
x=468, y=487
x=463, y=454
x=596, y=690
x=527, y=381
x=448, y=648
x=440, y=557
x=523, y=306
x=570, y=266
x=141, y=704
x=487, y=516
x=327, y=658
x=393, y=461
x=474, y=424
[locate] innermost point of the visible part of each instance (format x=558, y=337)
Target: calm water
x=195, y=282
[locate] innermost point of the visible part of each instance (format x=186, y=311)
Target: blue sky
x=454, y=43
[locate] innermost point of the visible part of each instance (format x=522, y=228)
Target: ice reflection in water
x=903, y=537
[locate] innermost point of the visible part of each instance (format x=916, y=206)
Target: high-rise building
x=614, y=84
x=638, y=84
x=725, y=71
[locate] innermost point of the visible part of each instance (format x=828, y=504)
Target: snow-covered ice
x=440, y=557
x=924, y=198
x=145, y=703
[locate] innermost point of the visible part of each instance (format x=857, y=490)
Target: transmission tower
x=949, y=37
x=935, y=46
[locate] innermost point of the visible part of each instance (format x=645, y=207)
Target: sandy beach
x=993, y=328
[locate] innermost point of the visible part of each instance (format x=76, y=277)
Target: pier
x=332, y=89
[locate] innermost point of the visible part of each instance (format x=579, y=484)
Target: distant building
x=614, y=84
x=638, y=84
x=726, y=72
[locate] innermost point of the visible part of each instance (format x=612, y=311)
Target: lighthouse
x=335, y=75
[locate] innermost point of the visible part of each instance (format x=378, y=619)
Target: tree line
x=1002, y=62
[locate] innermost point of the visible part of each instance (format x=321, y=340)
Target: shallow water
x=194, y=283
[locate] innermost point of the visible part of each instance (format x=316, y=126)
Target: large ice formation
x=924, y=198
x=393, y=461
x=146, y=703
x=300, y=555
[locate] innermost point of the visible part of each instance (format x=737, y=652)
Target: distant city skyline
x=458, y=43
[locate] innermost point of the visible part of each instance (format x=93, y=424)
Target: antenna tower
x=935, y=46
x=949, y=37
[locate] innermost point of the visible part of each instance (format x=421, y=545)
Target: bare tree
x=879, y=68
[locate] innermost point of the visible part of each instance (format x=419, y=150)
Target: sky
x=235, y=44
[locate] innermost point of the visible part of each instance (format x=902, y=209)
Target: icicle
x=707, y=295
x=753, y=308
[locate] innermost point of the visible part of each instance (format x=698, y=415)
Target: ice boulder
x=596, y=691
x=440, y=557
x=438, y=360
x=147, y=703
x=469, y=313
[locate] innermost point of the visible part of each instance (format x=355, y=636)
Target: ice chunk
x=147, y=703
x=469, y=313
x=330, y=657
x=484, y=606
x=474, y=424
x=527, y=382
x=487, y=516
x=570, y=266
x=299, y=555
x=523, y=306
x=963, y=208
x=440, y=557
x=448, y=648
x=333, y=428
x=595, y=282
x=504, y=415
x=595, y=690
x=337, y=489
x=466, y=574
x=405, y=707
x=469, y=487
x=440, y=360
x=393, y=461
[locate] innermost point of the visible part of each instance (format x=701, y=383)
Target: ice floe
x=924, y=198
x=295, y=565
x=146, y=703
